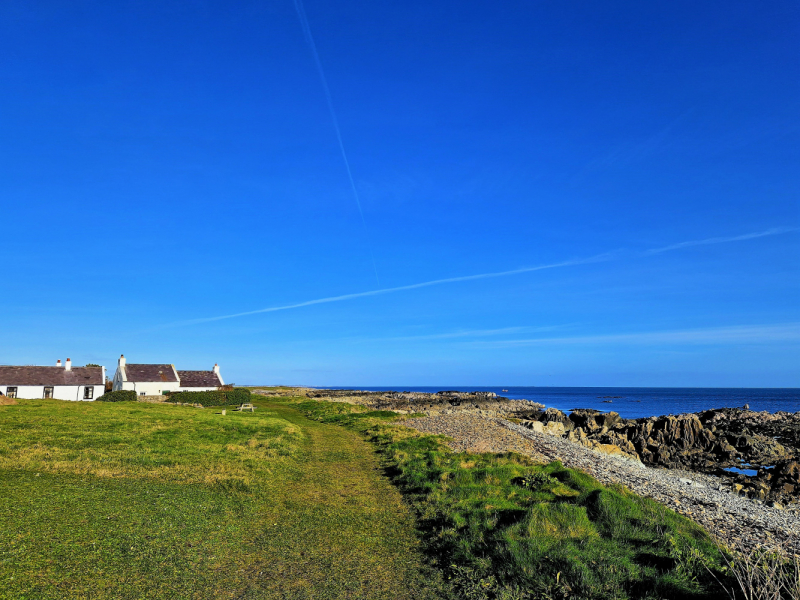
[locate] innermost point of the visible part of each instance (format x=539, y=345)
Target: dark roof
x=50, y=376
x=149, y=373
x=199, y=379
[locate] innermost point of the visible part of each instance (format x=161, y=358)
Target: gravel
x=733, y=519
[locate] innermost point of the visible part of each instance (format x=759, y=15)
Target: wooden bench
x=245, y=407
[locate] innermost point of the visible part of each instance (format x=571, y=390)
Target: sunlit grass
x=135, y=500
x=566, y=536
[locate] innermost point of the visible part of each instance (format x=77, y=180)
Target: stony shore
x=703, y=498
x=608, y=448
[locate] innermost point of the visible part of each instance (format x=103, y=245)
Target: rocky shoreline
x=440, y=403
x=756, y=453
x=706, y=499
x=678, y=460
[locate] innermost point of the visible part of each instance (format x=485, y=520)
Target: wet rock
x=759, y=449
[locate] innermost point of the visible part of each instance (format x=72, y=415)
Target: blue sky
x=530, y=193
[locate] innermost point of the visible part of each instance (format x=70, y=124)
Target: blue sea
x=633, y=403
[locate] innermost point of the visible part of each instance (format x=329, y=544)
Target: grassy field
x=502, y=527
x=302, y=499
x=135, y=500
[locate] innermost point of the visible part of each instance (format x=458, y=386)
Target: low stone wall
x=153, y=399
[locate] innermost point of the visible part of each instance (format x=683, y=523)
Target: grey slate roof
x=199, y=379
x=10, y=375
x=150, y=373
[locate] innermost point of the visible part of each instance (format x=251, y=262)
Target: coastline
x=633, y=402
x=705, y=499
x=727, y=508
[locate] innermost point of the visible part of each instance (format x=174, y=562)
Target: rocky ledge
x=756, y=453
x=440, y=403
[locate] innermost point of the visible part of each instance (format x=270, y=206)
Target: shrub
x=536, y=480
x=212, y=398
x=118, y=396
x=238, y=396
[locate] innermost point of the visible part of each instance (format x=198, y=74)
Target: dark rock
x=709, y=441
x=552, y=415
x=594, y=420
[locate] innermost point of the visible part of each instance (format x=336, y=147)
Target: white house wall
x=149, y=388
x=60, y=392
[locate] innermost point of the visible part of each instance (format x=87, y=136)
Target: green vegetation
x=212, y=398
x=136, y=500
x=118, y=396
x=503, y=527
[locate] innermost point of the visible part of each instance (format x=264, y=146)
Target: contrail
x=301, y=13
x=568, y=263
x=779, y=332
x=724, y=240
x=402, y=288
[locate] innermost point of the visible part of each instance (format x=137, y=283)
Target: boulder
x=555, y=428
x=591, y=420
x=610, y=449
x=759, y=449
x=551, y=415
x=536, y=426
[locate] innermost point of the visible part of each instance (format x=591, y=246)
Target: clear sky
x=368, y=196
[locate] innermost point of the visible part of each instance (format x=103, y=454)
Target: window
x=11, y=392
x=88, y=392
x=48, y=392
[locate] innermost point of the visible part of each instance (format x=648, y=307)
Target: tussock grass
x=136, y=500
x=504, y=527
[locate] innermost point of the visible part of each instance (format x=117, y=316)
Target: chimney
x=216, y=371
x=68, y=365
x=58, y=362
x=121, y=360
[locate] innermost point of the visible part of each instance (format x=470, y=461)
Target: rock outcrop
x=711, y=441
x=440, y=403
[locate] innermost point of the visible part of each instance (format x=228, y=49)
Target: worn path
x=346, y=532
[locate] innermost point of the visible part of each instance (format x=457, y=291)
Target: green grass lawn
x=135, y=500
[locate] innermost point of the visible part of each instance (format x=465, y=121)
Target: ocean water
x=633, y=403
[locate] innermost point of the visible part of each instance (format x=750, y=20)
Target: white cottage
x=62, y=382
x=155, y=380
